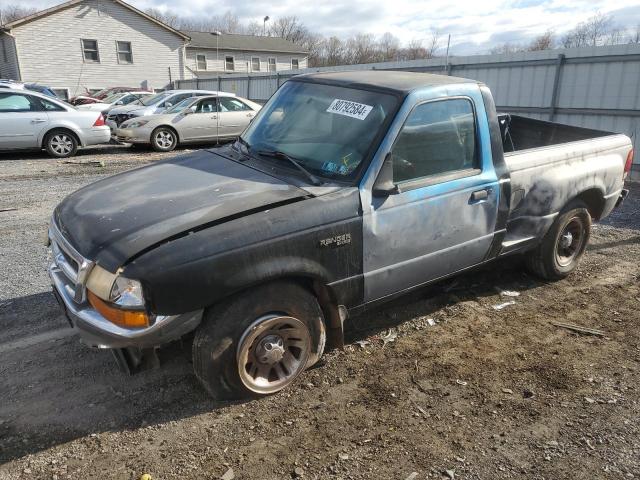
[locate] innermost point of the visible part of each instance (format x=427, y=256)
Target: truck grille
x=73, y=266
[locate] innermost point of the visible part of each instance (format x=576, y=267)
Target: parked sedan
x=194, y=120
x=31, y=120
x=113, y=101
x=157, y=103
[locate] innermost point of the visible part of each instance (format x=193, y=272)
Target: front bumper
x=95, y=330
x=133, y=135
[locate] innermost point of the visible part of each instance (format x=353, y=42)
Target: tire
x=61, y=144
x=563, y=246
x=258, y=342
x=164, y=139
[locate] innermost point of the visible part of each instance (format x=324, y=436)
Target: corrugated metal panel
x=604, y=80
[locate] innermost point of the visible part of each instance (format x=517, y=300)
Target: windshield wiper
x=278, y=154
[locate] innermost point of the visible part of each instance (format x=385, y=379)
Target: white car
x=157, y=103
x=194, y=120
x=31, y=120
x=113, y=101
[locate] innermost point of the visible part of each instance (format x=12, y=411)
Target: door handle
x=249, y=114
x=480, y=195
x=214, y=117
x=38, y=120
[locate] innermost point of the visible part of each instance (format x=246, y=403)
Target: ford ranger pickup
x=347, y=190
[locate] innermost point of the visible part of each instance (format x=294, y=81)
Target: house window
x=228, y=64
x=272, y=64
x=255, y=64
x=201, y=61
x=125, y=54
x=90, y=50
x=295, y=64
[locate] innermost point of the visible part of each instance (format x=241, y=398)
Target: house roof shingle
x=232, y=41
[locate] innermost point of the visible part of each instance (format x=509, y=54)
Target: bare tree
x=592, y=32
x=433, y=44
x=546, y=41
x=389, y=46
x=634, y=35
x=289, y=28
x=12, y=12
x=414, y=50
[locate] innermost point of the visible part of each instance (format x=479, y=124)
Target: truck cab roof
x=393, y=81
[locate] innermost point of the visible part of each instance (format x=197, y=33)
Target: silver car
x=31, y=120
x=194, y=120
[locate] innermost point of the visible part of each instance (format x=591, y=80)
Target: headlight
x=126, y=293
x=134, y=123
x=118, y=299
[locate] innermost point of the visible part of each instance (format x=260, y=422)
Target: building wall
x=242, y=61
x=8, y=59
x=51, y=52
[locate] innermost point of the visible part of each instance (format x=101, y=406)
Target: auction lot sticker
x=349, y=109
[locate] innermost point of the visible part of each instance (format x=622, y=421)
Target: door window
x=11, y=102
x=233, y=105
x=206, y=106
x=438, y=137
x=50, y=106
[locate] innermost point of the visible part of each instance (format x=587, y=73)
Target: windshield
x=112, y=98
x=178, y=107
x=150, y=100
x=327, y=129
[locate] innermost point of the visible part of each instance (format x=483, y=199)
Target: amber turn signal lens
x=123, y=318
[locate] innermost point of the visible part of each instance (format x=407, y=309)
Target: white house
x=212, y=54
x=85, y=45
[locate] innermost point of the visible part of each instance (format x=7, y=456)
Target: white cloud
x=474, y=25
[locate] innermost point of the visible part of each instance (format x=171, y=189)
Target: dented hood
x=114, y=219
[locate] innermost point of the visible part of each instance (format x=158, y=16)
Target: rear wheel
x=258, y=342
x=164, y=139
x=563, y=246
x=61, y=144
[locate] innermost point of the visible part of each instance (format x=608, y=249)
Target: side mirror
x=384, y=186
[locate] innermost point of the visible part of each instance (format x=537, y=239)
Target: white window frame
x=203, y=55
x=234, y=63
x=275, y=64
x=118, y=52
x=297, y=60
x=84, y=58
x=259, y=64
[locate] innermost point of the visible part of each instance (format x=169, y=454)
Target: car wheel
x=258, y=342
x=61, y=144
x=164, y=139
x=563, y=246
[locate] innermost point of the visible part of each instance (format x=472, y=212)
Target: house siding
x=9, y=68
x=51, y=52
x=242, y=61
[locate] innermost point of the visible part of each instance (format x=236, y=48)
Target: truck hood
x=115, y=219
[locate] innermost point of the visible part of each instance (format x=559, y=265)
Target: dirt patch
x=463, y=387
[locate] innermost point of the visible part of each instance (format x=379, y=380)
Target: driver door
x=201, y=123
x=442, y=218
x=234, y=116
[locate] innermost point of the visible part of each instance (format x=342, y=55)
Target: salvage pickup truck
x=347, y=190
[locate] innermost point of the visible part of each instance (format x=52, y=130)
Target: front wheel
x=164, y=139
x=563, y=246
x=258, y=342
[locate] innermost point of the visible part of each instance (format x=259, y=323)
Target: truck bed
x=551, y=164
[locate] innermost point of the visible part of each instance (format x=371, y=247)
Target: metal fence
x=594, y=87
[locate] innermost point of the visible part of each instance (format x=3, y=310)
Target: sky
x=475, y=26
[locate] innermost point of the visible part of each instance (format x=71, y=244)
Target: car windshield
x=112, y=98
x=178, y=107
x=152, y=99
x=327, y=129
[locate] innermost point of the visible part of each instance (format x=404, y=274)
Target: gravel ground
x=462, y=391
